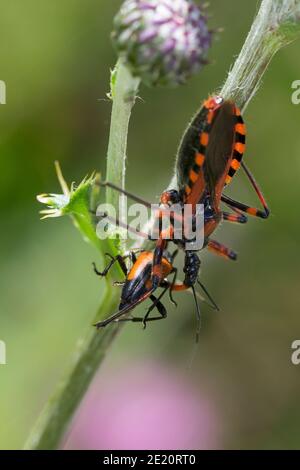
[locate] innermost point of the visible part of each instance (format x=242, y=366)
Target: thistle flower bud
x=163, y=42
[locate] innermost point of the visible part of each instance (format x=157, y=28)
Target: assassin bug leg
x=126, y=193
x=175, y=270
x=245, y=208
x=263, y=214
x=156, y=276
x=237, y=211
x=120, y=259
x=173, y=256
x=257, y=190
x=160, y=307
x=165, y=283
x=221, y=250
x=133, y=257
x=113, y=260
x=156, y=303
x=99, y=273
x=169, y=285
x=237, y=218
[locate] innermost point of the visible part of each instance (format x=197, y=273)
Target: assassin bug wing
x=189, y=147
x=225, y=149
x=192, y=152
x=123, y=311
x=211, y=150
x=219, y=148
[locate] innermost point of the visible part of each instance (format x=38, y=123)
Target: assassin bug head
x=170, y=197
x=213, y=102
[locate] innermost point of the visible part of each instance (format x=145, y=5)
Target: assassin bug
x=138, y=286
x=209, y=155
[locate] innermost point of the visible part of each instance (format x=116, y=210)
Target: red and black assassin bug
x=137, y=286
x=209, y=155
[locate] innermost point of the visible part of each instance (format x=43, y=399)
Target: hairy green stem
x=123, y=93
x=276, y=24
x=92, y=348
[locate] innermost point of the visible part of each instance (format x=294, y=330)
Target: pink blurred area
x=146, y=406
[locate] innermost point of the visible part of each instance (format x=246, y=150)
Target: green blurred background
x=55, y=58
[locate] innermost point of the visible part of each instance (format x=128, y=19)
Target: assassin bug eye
x=213, y=102
x=218, y=99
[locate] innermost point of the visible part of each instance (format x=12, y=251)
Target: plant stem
x=123, y=93
x=276, y=25
x=92, y=348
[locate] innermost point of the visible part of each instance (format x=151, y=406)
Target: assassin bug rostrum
x=210, y=154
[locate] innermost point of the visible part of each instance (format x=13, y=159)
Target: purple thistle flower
x=163, y=42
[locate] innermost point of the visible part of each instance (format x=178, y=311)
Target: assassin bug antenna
x=213, y=303
x=124, y=192
x=198, y=315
